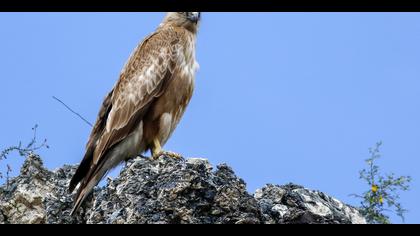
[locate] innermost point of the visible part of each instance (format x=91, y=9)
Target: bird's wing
x=91, y=144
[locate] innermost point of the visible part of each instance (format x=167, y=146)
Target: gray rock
x=293, y=204
x=165, y=191
x=174, y=191
x=21, y=200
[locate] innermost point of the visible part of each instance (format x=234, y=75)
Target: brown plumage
x=145, y=105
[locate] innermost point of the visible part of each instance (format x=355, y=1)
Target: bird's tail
x=94, y=175
x=81, y=196
x=86, y=188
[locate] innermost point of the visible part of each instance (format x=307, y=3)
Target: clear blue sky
x=281, y=97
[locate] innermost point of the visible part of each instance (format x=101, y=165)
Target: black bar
x=210, y=5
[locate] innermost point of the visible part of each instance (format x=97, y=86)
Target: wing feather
x=91, y=144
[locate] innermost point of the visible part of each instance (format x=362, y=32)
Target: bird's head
x=188, y=20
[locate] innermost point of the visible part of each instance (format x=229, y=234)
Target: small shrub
x=383, y=193
x=22, y=150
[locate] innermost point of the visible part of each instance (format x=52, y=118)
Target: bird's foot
x=167, y=154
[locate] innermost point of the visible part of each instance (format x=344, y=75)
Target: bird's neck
x=189, y=27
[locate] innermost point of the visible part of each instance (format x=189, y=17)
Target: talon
x=171, y=155
x=167, y=154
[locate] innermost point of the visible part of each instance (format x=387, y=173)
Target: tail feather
x=78, y=203
x=84, y=190
x=92, y=178
x=89, y=174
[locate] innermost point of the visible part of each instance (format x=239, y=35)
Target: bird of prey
x=145, y=105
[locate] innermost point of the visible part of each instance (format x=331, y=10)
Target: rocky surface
x=293, y=204
x=165, y=191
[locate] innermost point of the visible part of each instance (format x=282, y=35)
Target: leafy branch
x=383, y=194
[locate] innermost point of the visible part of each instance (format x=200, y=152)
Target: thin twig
x=22, y=151
x=9, y=170
x=71, y=110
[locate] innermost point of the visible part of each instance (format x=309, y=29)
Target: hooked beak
x=194, y=17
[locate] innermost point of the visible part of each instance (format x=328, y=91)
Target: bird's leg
x=157, y=151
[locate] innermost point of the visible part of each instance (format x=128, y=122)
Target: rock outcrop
x=165, y=191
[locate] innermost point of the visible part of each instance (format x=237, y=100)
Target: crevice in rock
x=4, y=218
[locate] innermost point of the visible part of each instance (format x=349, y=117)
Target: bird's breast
x=186, y=57
x=171, y=106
